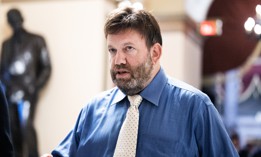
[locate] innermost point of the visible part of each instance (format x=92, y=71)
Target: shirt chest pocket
x=165, y=142
x=159, y=145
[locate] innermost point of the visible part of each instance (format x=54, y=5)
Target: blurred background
x=212, y=44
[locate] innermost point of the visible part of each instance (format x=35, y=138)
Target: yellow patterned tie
x=127, y=139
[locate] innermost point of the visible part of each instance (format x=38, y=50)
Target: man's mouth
x=122, y=73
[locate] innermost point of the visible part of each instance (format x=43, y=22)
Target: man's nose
x=120, y=58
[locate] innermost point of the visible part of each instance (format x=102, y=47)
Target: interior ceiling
x=231, y=49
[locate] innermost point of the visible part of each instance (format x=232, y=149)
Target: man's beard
x=139, y=77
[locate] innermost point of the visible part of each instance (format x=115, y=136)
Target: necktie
x=127, y=139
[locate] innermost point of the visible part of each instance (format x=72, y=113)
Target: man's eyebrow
x=128, y=43
x=110, y=46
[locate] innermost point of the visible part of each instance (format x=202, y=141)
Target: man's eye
x=129, y=48
x=112, y=51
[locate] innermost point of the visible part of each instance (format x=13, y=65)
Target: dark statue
x=25, y=69
x=6, y=147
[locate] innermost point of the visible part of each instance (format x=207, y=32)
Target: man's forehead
x=124, y=38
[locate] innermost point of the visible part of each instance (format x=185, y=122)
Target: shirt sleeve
x=212, y=137
x=68, y=147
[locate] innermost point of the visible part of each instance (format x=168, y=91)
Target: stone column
x=182, y=44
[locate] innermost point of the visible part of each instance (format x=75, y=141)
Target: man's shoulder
x=182, y=85
x=185, y=89
x=106, y=96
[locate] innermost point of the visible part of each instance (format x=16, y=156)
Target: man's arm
x=212, y=137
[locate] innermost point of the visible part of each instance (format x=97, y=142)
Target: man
x=25, y=69
x=6, y=147
x=175, y=119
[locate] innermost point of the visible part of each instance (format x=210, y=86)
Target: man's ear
x=156, y=51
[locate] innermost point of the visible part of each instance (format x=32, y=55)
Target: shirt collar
x=119, y=96
x=151, y=93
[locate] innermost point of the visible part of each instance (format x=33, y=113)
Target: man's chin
x=121, y=84
x=121, y=81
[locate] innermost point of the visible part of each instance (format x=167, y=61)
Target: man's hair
x=122, y=19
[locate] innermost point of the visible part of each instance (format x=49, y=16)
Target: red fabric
x=232, y=48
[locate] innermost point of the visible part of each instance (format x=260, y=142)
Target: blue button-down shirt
x=176, y=120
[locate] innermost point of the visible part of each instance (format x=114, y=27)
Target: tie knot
x=135, y=100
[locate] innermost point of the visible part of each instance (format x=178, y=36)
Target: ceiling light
x=257, y=29
x=249, y=24
x=138, y=5
x=124, y=3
